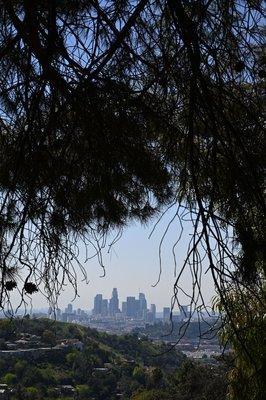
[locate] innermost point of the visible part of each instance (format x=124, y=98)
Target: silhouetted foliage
x=110, y=110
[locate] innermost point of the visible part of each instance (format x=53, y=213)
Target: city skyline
x=131, y=307
x=99, y=305
x=119, y=315
x=133, y=264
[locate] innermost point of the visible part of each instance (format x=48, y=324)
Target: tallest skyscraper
x=114, y=303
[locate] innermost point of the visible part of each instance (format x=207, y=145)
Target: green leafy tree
x=9, y=378
x=76, y=332
x=49, y=377
x=7, y=329
x=247, y=336
x=20, y=367
x=155, y=377
x=194, y=381
x=139, y=374
x=84, y=392
x=81, y=366
x=31, y=376
x=72, y=357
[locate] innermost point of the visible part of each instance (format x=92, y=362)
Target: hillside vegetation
x=106, y=367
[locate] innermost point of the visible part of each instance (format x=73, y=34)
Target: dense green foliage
x=247, y=337
x=191, y=382
x=107, y=366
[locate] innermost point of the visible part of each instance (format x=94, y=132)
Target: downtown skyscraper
x=114, y=303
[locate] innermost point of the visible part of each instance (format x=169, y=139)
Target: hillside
x=44, y=359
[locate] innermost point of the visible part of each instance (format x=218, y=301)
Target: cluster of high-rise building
x=135, y=308
x=112, y=313
x=105, y=307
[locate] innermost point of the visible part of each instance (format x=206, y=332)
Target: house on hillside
x=4, y=392
x=67, y=390
x=72, y=343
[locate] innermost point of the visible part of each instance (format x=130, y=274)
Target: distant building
x=137, y=311
x=166, y=314
x=67, y=390
x=4, y=392
x=104, y=311
x=142, y=305
x=153, y=312
x=150, y=317
x=74, y=343
x=98, y=299
x=132, y=307
x=69, y=309
x=124, y=308
x=114, y=303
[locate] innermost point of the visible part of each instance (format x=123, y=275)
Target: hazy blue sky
x=133, y=265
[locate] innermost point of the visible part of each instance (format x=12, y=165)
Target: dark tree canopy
x=111, y=110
